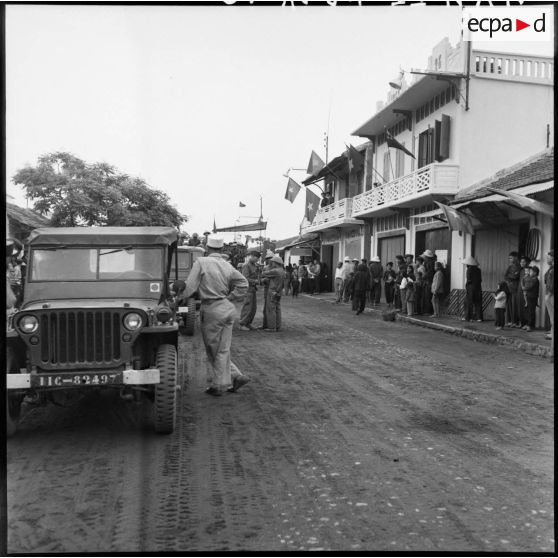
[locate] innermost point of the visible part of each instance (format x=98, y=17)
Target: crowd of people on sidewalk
x=416, y=286
x=410, y=286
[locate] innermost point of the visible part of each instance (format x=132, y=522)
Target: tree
x=74, y=193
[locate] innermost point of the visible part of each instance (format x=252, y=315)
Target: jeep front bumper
x=83, y=379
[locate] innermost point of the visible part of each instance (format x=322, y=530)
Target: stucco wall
x=505, y=124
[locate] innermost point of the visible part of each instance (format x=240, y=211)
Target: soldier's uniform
x=250, y=271
x=276, y=277
x=218, y=284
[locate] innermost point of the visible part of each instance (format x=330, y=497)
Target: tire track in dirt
x=355, y=434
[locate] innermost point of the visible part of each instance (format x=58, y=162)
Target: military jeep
x=96, y=314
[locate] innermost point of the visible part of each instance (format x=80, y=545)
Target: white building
x=466, y=116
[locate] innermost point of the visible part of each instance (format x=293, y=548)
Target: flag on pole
x=315, y=164
x=240, y=204
x=292, y=190
x=312, y=205
x=392, y=142
x=524, y=202
x=356, y=160
x=457, y=221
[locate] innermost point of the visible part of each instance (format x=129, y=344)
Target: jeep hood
x=60, y=292
x=79, y=303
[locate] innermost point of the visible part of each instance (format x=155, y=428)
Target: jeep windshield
x=60, y=263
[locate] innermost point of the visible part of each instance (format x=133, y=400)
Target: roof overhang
x=304, y=239
x=410, y=99
x=491, y=197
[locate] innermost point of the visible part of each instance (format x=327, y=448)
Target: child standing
x=500, y=299
x=389, y=284
x=530, y=288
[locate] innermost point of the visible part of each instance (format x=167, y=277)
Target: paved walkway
x=533, y=342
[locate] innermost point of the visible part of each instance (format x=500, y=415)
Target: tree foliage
x=72, y=193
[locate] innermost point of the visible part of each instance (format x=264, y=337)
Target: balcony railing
x=536, y=69
x=336, y=214
x=437, y=178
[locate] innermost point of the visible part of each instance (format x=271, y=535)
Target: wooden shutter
x=444, y=138
x=437, y=134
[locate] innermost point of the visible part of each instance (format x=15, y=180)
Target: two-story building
x=467, y=115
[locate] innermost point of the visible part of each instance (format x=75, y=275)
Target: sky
x=210, y=104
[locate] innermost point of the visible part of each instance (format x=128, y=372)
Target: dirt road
x=355, y=434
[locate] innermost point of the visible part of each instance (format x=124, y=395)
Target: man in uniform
x=218, y=285
x=250, y=271
x=275, y=274
x=267, y=266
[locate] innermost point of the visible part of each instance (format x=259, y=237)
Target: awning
x=522, y=191
x=300, y=241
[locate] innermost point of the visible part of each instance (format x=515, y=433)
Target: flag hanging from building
x=292, y=190
x=356, y=159
x=392, y=142
x=240, y=204
x=457, y=221
x=315, y=164
x=525, y=203
x=312, y=205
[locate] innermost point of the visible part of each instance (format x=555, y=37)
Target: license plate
x=183, y=309
x=76, y=380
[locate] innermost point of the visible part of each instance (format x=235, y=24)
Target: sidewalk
x=533, y=343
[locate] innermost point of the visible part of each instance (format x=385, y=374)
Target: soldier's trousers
x=248, y=310
x=217, y=319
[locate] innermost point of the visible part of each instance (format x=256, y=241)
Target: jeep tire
x=165, y=391
x=13, y=399
x=190, y=320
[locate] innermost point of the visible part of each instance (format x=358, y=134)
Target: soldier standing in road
x=276, y=276
x=218, y=284
x=265, y=281
x=250, y=271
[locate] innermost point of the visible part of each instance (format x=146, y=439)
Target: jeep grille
x=74, y=337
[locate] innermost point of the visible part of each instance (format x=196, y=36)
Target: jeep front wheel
x=190, y=320
x=13, y=399
x=165, y=391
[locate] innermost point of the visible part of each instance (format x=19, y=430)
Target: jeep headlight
x=132, y=321
x=28, y=324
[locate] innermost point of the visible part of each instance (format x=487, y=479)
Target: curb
x=530, y=348
x=534, y=349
